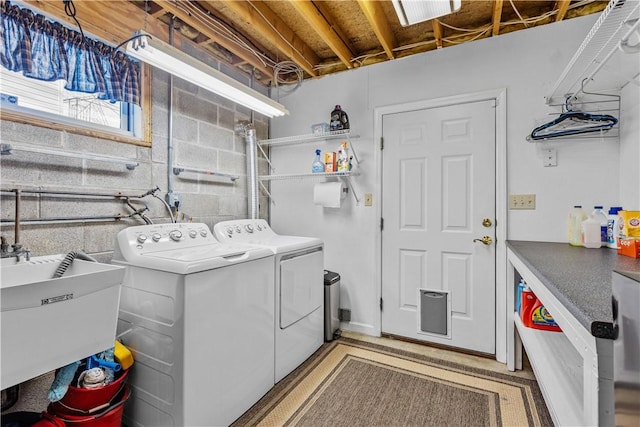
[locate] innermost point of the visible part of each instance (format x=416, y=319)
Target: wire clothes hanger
x=572, y=122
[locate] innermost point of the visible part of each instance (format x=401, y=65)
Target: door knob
x=487, y=240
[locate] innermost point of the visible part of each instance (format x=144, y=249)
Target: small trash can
x=331, y=304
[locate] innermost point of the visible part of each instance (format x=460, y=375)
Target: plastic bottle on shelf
x=339, y=119
x=576, y=216
x=591, y=233
x=600, y=216
x=613, y=222
x=318, y=165
x=343, y=158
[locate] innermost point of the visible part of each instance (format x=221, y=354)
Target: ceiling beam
x=496, y=17
x=274, y=29
x=437, y=32
x=182, y=12
x=378, y=21
x=562, y=6
x=324, y=29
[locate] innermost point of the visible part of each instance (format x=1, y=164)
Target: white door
x=438, y=195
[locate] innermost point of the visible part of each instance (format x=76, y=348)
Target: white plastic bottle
x=574, y=226
x=591, y=233
x=613, y=222
x=599, y=215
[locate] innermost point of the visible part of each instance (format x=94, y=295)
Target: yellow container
x=122, y=355
x=629, y=224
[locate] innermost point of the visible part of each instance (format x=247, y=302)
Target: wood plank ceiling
x=284, y=41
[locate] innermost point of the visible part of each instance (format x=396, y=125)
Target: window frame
x=77, y=127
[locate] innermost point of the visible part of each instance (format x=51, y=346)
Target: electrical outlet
x=173, y=199
x=522, y=201
x=368, y=199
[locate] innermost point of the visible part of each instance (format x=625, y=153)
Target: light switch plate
x=522, y=201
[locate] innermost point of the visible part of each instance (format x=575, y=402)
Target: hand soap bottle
x=318, y=165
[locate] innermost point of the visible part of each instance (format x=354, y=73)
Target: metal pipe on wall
x=170, y=175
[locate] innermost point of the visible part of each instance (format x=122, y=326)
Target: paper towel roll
x=328, y=194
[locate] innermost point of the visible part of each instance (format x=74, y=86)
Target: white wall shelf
x=302, y=139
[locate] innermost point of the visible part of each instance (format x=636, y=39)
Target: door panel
x=438, y=185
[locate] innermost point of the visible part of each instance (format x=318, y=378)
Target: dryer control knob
x=203, y=233
x=249, y=228
x=193, y=234
x=156, y=237
x=175, y=235
x=142, y=238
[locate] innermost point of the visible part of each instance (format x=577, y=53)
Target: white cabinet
x=574, y=369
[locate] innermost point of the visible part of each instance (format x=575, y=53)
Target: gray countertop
x=579, y=278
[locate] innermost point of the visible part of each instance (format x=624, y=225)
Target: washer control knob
x=156, y=237
x=259, y=227
x=203, y=233
x=238, y=230
x=249, y=228
x=229, y=231
x=142, y=238
x=193, y=234
x=175, y=235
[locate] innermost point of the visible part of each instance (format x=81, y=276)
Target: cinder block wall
x=203, y=138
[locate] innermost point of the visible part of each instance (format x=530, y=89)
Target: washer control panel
x=166, y=236
x=242, y=230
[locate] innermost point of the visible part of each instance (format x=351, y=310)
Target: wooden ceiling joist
x=185, y=16
x=496, y=18
x=562, y=6
x=437, y=32
x=380, y=25
x=272, y=28
x=324, y=29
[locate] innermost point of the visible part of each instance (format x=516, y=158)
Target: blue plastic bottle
x=318, y=165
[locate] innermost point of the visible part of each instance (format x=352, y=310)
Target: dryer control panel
x=243, y=230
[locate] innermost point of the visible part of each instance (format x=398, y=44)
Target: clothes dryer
x=299, y=279
x=198, y=315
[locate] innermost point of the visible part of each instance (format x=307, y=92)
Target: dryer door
x=301, y=285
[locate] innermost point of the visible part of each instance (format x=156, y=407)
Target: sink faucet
x=18, y=251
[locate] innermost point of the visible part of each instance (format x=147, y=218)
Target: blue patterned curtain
x=46, y=50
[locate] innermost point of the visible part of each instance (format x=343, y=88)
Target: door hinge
x=381, y=304
x=381, y=143
x=381, y=224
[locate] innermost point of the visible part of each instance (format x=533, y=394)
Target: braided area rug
x=353, y=382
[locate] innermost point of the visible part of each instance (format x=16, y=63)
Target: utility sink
x=48, y=323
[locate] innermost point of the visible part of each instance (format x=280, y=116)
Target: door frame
x=500, y=97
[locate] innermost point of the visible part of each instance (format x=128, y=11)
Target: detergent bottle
x=541, y=319
x=599, y=216
x=576, y=216
x=527, y=301
x=613, y=223
x=591, y=233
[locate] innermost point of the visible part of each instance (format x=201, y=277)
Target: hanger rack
x=593, y=115
x=6, y=149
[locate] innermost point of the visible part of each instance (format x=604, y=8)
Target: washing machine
x=198, y=315
x=299, y=280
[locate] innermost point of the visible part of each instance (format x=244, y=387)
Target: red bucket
x=88, y=400
x=111, y=416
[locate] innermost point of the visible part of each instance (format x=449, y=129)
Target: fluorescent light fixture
x=413, y=11
x=149, y=49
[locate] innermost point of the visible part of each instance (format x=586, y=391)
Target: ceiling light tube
x=161, y=55
x=413, y=11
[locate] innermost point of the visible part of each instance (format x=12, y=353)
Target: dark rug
x=349, y=382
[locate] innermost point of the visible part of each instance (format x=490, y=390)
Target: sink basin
x=48, y=323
